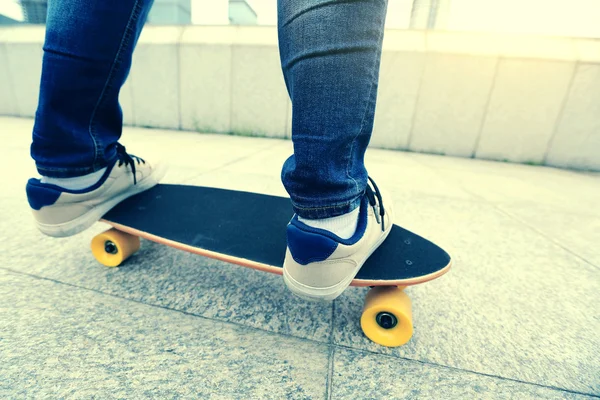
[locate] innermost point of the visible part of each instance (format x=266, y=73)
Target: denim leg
x=87, y=57
x=330, y=53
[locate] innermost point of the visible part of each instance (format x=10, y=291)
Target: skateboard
x=249, y=229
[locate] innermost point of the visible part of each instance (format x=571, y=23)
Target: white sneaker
x=60, y=212
x=320, y=265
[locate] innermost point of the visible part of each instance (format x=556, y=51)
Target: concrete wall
x=512, y=98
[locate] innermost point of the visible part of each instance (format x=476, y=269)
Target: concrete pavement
x=516, y=317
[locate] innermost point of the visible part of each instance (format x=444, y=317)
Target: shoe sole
x=88, y=219
x=332, y=292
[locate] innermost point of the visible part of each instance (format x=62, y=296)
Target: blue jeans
x=330, y=54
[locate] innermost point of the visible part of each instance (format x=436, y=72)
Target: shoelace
x=376, y=201
x=128, y=159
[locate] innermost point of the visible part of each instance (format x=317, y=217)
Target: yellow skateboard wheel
x=387, y=316
x=112, y=247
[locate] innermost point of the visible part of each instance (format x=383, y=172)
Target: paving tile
x=398, y=173
x=368, y=376
x=64, y=342
x=257, y=183
x=18, y=129
x=504, y=183
x=162, y=276
x=267, y=162
x=463, y=163
x=514, y=304
x=191, y=150
x=499, y=188
x=580, y=233
x=395, y=171
x=21, y=168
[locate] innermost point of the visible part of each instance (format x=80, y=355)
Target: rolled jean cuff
x=71, y=172
x=326, y=211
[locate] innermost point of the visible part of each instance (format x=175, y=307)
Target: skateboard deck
x=249, y=229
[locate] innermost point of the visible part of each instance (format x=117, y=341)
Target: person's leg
x=87, y=57
x=330, y=55
x=85, y=171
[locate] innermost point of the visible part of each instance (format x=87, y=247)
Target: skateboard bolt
x=386, y=320
x=110, y=247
